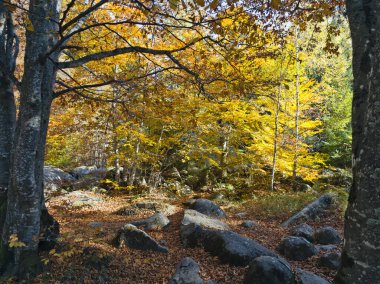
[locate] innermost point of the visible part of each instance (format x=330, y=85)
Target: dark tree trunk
x=361, y=253
x=8, y=54
x=25, y=192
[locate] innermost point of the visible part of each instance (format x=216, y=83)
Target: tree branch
x=123, y=50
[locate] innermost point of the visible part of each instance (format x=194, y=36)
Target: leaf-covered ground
x=85, y=253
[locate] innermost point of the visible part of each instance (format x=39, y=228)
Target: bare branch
x=123, y=50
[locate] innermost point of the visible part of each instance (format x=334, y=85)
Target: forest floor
x=86, y=254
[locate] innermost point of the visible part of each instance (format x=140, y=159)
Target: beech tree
x=360, y=257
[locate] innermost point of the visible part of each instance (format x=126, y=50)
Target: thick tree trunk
x=8, y=54
x=361, y=253
x=25, y=192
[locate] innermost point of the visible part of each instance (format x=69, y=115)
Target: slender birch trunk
x=296, y=127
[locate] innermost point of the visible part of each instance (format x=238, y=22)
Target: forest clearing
x=190, y=141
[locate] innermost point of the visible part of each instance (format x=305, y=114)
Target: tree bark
x=361, y=252
x=276, y=122
x=25, y=192
x=8, y=54
x=297, y=115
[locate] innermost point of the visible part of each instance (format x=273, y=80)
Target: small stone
x=241, y=214
x=303, y=230
x=325, y=247
x=327, y=236
x=296, y=248
x=96, y=224
x=330, y=260
x=132, y=237
x=248, y=224
x=208, y=208
x=187, y=272
x=156, y=222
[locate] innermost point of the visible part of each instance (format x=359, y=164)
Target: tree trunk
x=25, y=192
x=223, y=158
x=361, y=257
x=295, y=160
x=276, y=116
x=8, y=54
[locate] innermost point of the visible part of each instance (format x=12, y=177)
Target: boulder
x=132, y=237
x=155, y=222
x=330, y=260
x=269, y=270
x=192, y=224
x=311, y=211
x=248, y=224
x=56, y=179
x=327, y=236
x=303, y=230
x=306, y=277
x=296, y=248
x=187, y=272
x=207, y=207
x=80, y=198
x=83, y=171
x=214, y=236
x=232, y=248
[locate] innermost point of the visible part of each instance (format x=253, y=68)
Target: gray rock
x=232, y=248
x=155, y=222
x=214, y=236
x=303, y=230
x=241, y=214
x=269, y=270
x=325, y=247
x=127, y=211
x=81, y=198
x=327, y=236
x=56, y=179
x=146, y=205
x=192, y=224
x=311, y=211
x=187, y=272
x=82, y=171
x=134, y=238
x=218, y=196
x=208, y=208
x=96, y=224
x=248, y=224
x=306, y=277
x=296, y=248
x=330, y=260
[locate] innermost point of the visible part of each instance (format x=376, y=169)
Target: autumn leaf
x=275, y=4
x=14, y=242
